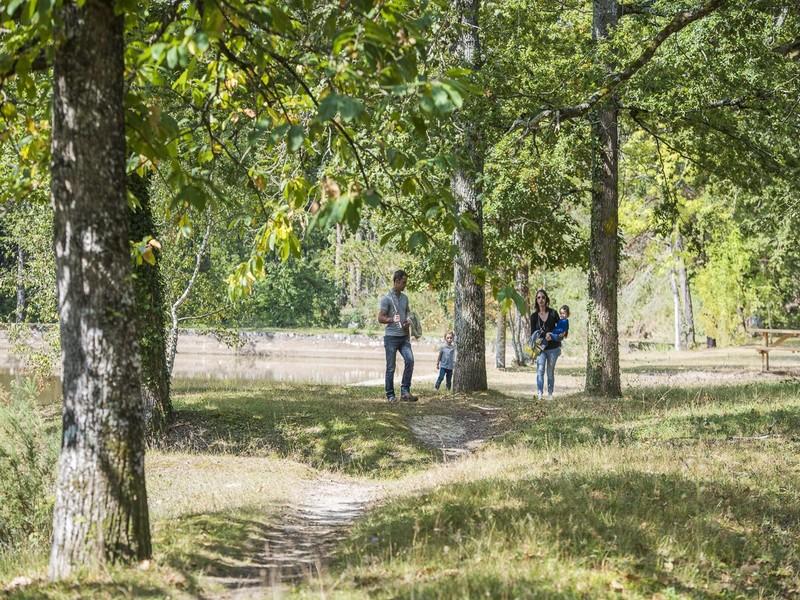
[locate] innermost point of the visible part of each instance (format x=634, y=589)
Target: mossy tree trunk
x=100, y=510
x=151, y=316
x=470, y=302
x=602, y=363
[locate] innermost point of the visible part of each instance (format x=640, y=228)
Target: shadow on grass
x=542, y=536
x=652, y=414
x=333, y=428
x=352, y=429
x=221, y=545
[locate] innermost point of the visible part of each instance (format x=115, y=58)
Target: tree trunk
x=688, y=311
x=500, y=341
x=172, y=334
x=100, y=510
x=21, y=300
x=470, y=327
x=149, y=290
x=602, y=362
x=676, y=305
x=521, y=322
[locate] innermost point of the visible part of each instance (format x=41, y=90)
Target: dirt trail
x=454, y=435
x=298, y=546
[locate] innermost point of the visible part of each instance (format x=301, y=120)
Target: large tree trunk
x=100, y=510
x=602, y=362
x=149, y=290
x=500, y=341
x=683, y=278
x=470, y=327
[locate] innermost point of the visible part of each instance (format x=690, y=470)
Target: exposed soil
x=298, y=546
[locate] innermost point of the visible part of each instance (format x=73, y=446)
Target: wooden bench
x=773, y=338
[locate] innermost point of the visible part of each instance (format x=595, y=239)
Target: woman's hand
x=548, y=337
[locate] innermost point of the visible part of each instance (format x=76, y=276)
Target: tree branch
x=615, y=80
x=172, y=337
x=790, y=50
x=639, y=8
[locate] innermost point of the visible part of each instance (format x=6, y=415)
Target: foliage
x=28, y=455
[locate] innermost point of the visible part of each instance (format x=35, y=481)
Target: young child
x=446, y=361
x=562, y=327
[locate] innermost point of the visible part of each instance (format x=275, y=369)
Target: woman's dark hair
x=546, y=298
x=399, y=274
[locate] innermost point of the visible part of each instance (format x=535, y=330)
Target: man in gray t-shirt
x=393, y=312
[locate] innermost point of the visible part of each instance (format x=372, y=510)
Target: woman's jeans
x=393, y=344
x=442, y=374
x=547, y=360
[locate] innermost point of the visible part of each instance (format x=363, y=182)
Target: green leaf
x=172, y=57
x=372, y=198
x=345, y=38
x=508, y=295
x=349, y=108
x=294, y=138
x=194, y=196
x=417, y=239
x=12, y=7
x=328, y=107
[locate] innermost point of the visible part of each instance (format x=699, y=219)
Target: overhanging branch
x=615, y=80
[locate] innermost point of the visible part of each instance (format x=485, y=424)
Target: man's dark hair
x=399, y=274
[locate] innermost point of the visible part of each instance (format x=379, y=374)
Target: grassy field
x=671, y=492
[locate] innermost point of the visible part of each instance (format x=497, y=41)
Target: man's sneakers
x=404, y=397
x=540, y=396
x=550, y=397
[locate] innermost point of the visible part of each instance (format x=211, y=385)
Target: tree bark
x=149, y=290
x=100, y=510
x=172, y=335
x=500, y=341
x=521, y=322
x=470, y=327
x=688, y=311
x=676, y=305
x=21, y=300
x=602, y=362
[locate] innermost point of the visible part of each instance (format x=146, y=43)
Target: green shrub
x=27, y=470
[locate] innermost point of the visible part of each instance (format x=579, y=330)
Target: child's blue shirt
x=561, y=330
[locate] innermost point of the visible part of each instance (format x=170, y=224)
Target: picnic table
x=773, y=338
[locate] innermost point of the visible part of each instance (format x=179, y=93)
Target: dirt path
x=454, y=435
x=298, y=547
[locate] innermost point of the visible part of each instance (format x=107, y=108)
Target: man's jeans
x=393, y=343
x=547, y=359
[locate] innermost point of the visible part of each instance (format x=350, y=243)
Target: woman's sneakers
x=540, y=396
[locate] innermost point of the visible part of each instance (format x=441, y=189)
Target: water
x=272, y=358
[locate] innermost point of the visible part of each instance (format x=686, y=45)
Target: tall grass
x=28, y=452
